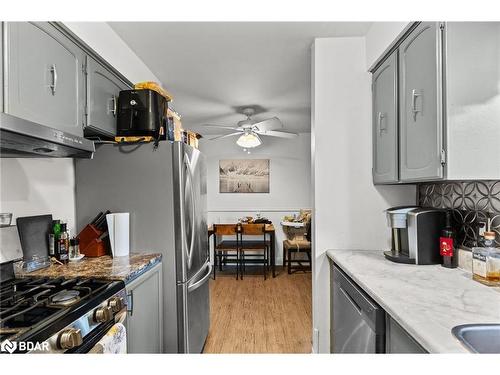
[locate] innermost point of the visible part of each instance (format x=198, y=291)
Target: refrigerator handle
x=201, y=281
x=193, y=208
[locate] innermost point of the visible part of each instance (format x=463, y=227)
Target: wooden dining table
x=270, y=230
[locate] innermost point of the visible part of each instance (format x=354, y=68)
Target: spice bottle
x=74, y=245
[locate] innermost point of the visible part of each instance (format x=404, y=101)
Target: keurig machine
x=415, y=234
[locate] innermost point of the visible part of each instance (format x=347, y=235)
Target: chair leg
x=289, y=262
x=215, y=263
x=242, y=263
x=237, y=264
x=284, y=256
x=267, y=260
x=264, y=264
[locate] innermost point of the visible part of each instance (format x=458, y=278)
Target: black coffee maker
x=142, y=113
x=415, y=234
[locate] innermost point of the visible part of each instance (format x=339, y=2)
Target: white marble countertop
x=427, y=301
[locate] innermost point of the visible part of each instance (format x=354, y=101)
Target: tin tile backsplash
x=471, y=202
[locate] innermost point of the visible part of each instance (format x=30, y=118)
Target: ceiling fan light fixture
x=249, y=140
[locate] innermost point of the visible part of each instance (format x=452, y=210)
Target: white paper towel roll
x=119, y=233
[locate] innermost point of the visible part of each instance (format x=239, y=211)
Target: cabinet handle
x=113, y=105
x=130, y=302
x=53, y=86
x=414, y=95
x=380, y=116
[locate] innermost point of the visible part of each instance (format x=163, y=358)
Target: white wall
x=379, y=37
x=348, y=208
x=38, y=186
x=41, y=186
x=290, y=181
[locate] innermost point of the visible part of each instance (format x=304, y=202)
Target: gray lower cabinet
x=103, y=89
x=43, y=73
x=145, y=312
x=421, y=128
x=385, y=121
x=397, y=340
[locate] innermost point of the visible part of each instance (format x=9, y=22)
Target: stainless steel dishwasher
x=357, y=322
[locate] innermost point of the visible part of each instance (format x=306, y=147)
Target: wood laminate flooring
x=254, y=315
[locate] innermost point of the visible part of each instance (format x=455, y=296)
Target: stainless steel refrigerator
x=165, y=192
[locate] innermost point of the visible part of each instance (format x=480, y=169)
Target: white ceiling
x=211, y=67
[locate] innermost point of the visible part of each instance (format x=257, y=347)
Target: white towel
x=114, y=342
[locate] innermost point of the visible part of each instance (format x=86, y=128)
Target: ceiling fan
x=250, y=130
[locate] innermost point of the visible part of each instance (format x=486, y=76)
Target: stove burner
x=34, y=309
x=65, y=297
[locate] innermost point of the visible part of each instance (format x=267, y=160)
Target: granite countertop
x=105, y=267
x=427, y=301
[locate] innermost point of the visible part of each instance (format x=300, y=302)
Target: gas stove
x=58, y=315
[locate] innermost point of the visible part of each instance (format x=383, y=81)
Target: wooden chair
x=223, y=245
x=298, y=246
x=257, y=250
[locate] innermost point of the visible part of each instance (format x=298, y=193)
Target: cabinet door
x=384, y=122
x=103, y=89
x=399, y=341
x=144, y=317
x=44, y=76
x=421, y=132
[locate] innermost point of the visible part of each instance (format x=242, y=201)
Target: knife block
x=90, y=243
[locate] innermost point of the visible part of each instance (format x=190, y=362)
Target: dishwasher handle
x=372, y=312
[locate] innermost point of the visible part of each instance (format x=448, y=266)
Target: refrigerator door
x=194, y=311
x=191, y=224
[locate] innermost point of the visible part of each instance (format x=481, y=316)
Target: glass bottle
x=447, y=246
x=486, y=261
x=62, y=255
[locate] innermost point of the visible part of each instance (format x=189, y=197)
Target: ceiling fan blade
x=272, y=123
x=225, y=136
x=221, y=127
x=273, y=133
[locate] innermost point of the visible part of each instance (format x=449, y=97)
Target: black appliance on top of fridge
x=164, y=190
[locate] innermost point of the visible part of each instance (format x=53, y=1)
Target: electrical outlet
x=315, y=340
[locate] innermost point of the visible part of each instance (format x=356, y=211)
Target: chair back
x=253, y=229
x=225, y=229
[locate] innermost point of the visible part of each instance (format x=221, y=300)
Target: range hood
x=21, y=138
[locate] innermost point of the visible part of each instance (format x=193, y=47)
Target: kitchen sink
x=479, y=338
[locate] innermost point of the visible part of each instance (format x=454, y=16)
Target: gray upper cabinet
x=103, y=89
x=43, y=75
x=421, y=127
x=385, y=121
x=448, y=84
